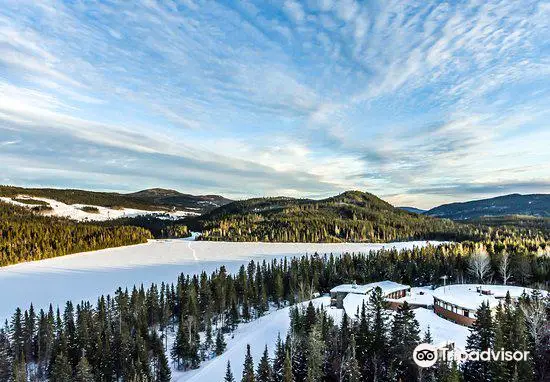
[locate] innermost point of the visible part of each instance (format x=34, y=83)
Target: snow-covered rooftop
x=352, y=288
x=467, y=296
x=353, y=302
x=418, y=296
x=386, y=286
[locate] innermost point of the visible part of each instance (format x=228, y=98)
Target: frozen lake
x=85, y=276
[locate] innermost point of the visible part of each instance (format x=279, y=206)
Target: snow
x=466, y=296
x=418, y=296
x=442, y=330
x=387, y=287
x=351, y=288
x=85, y=276
x=353, y=303
x=74, y=211
x=258, y=334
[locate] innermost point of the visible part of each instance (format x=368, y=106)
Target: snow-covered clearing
x=258, y=334
x=86, y=276
x=75, y=212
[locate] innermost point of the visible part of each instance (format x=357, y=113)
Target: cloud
x=305, y=98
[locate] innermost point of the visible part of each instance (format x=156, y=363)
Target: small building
x=338, y=293
x=459, y=303
x=390, y=290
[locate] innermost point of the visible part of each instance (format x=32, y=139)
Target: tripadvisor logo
x=426, y=355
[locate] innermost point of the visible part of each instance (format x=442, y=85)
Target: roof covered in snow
x=351, y=288
x=468, y=296
x=386, y=286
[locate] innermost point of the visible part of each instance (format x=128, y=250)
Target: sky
x=418, y=102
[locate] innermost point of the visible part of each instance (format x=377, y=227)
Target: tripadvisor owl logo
x=425, y=355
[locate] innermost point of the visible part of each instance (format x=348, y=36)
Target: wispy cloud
x=404, y=99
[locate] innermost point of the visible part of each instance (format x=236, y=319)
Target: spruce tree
x=248, y=370
x=480, y=339
x=288, y=375
x=228, y=374
x=264, y=373
x=61, y=369
x=279, y=360
x=83, y=371
x=220, y=343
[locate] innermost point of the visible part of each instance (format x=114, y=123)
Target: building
x=459, y=303
x=359, y=293
x=338, y=293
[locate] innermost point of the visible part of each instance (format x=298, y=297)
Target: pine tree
x=481, y=338
x=6, y=359
x=220, y=343
x=288, y=374
x=83, y=371
x=351, y=371
x=228, y=374
x=315, y=355
x=248, y=371
x=279, y=360
x=61, y=369
x=264, y=373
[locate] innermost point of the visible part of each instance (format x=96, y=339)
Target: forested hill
x=151, y=199
x=352, y=216
x=513, y=204
x=28, y=236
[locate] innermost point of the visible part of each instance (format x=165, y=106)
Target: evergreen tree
x=315, y=355
x=288, y=374
x=279, y=360
x=480, y=339
x=229, y=374
x=61, y=369
x=83, y=371
x=264, y=373
x=248, y=371
x=6, y=359
x=220, y=343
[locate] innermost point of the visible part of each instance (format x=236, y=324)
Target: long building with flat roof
x=459, y=302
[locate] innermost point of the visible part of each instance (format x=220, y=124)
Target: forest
x=124, y=337
x=26, y=235
x=349, y=217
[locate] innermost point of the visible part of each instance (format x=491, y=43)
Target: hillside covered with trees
x=154, y=199
x=26, y=235
x=352, y=216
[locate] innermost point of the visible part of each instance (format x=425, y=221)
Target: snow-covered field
x=75, y=212
x=87, y=275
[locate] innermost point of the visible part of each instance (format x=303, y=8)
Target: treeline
x=375, y=346
x=27, y=236
x=160, y=228
x=120, y=338
x=349, y=217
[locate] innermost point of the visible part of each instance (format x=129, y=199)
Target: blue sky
x=418, y=102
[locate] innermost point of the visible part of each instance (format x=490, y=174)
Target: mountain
x=172, y=198
x=352, y=216
x=414, y=210
x=513, y=204
x=152, y=199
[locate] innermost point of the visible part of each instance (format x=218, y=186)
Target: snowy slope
x=74, y=211
x=90, y=274
x=258, y=334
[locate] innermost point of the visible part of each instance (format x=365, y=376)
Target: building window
x=466, y=313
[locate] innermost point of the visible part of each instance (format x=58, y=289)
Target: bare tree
x=534, y=311
x=479, y=265
x=504, y=267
